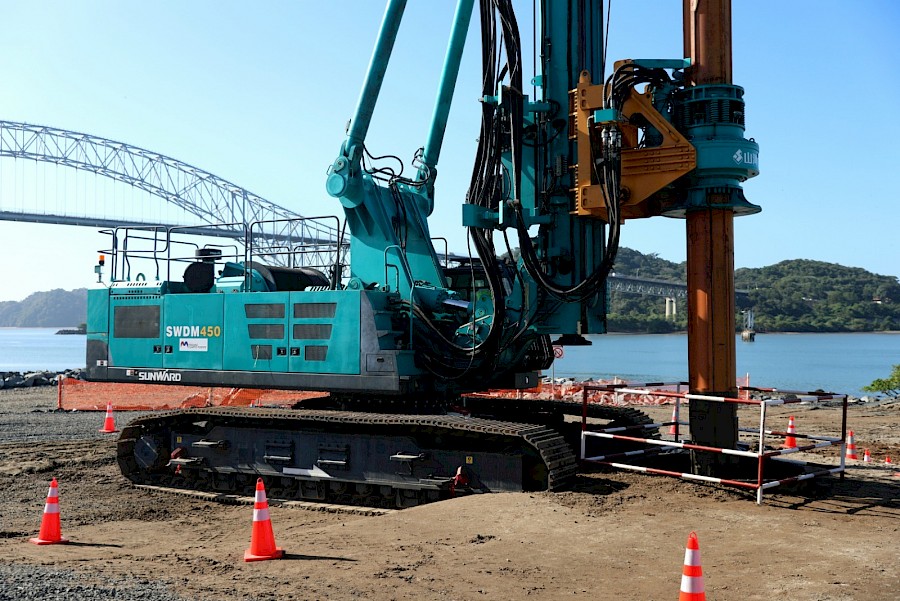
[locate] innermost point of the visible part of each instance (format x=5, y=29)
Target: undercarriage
x=383, y=459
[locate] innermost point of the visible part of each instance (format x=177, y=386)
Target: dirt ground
x=617, y=535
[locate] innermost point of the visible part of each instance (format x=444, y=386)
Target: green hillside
x=56, y=308
x=813, y=296
x=791, y=296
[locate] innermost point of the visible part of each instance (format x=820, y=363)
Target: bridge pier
x=670, y=308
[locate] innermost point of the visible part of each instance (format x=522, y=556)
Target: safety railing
x=655, y=447
x=159, y=250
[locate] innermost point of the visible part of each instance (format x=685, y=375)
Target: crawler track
x=225, y=449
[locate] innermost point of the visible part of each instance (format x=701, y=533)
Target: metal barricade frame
x=658, y=447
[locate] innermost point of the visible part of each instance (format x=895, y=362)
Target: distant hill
x=813, y=296
x=56, y=308
x=791, y=296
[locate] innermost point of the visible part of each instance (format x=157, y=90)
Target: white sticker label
x=158, y=376
x=745, y=158
x=200, y=345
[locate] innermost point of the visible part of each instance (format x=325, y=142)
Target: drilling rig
x=394, y=335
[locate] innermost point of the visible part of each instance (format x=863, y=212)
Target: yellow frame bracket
x=645, y=171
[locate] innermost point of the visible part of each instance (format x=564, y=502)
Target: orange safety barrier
x=573, y=391
x=95, y=396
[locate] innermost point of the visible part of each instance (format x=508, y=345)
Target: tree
x=889, y=386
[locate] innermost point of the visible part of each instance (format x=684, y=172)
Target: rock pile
x=16, y=379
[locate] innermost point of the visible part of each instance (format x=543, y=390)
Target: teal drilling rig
x=395, y=336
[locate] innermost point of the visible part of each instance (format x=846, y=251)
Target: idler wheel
x=150, y=453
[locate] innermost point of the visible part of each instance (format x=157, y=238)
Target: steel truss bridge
x=633, y=285
x=671, y=291
x=213, y=200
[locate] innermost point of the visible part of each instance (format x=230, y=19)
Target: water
x=833, y=362
x=32, y=349
x=842, y=363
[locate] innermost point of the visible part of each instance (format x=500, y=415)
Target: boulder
x=34, y=379
x=13, y=381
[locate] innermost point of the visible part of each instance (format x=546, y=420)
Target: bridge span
x=207, y=198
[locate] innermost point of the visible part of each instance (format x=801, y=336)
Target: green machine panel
x=325, y=332
x=193, y=332
x=256, y=332
x=98, y=314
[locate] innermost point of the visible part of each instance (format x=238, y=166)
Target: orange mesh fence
x=573, y=390
x=93, y=396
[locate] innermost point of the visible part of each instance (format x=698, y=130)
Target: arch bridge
x=210, y=199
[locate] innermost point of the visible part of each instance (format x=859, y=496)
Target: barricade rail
x=657, y=447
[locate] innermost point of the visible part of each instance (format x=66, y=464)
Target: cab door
x=135, y=338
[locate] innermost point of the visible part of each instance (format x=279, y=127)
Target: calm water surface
x=833, y=362
x=30, y=349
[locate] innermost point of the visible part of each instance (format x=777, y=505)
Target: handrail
x=158, y=244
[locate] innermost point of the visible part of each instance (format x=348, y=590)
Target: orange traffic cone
x=867, y=458
x=890, y=465
x=50, y=533
x=692, y=588
x=262, y=539
x=789, y=441
x=109, y=425
x=673, y=429
x=851, y=446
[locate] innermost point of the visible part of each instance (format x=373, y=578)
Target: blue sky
x=259, y=93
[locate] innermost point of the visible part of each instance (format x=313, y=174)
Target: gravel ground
x=615, y=535
x=20, y=582
x=28, y=418
x=29, y=415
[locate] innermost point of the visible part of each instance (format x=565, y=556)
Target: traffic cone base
x=278, y=553
x=39, y=541
x=262, y=539
x=109, y=424
x=50, y=533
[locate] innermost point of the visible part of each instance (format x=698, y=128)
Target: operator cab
x=468, y=278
